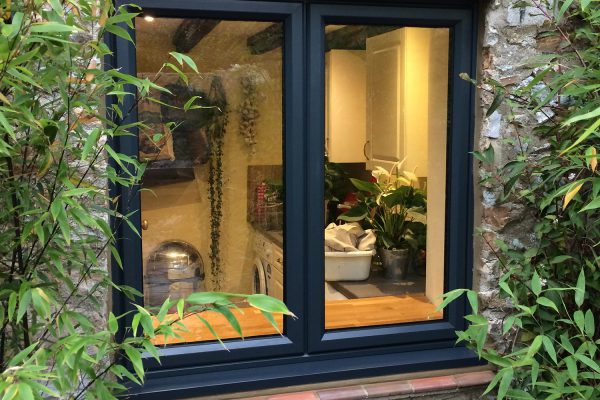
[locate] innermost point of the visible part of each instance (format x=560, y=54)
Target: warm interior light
x=149, y=18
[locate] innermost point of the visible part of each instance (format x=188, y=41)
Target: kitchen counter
x=275, y=237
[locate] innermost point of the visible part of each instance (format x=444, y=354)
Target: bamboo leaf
x=22, y=355
x=180, y=308
x=498, y=100
x=580, y=288
x=211, y=329
x=546, y=302
x=505, y=382
x=113, y=325
x=268, y=304
x=136, y=360
x=571, y=368
x=90, y=143
x=534, y=347
x=271, y=320
x=183, y=59
x=574, y=189
x=230, y=317
x=591, y=129
x=585, y=4
x=208, y=298
x=24, y=302
x=473, y=301
x=589, y=324
x=592, y=205
x=6, y=125
x=549, y=347
x=25, y=392
x=450, y=297
x=119, y=31
x=164, y=308
x=579, y=319
x=587, y=361
x=53, y=27
x=536, y=284
x=12, y=305
x=591, y=158
x=564, y=7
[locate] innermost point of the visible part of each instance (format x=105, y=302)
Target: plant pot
x=395, y=262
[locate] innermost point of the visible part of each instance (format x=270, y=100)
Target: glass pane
x=212, y=210
x=385, y=174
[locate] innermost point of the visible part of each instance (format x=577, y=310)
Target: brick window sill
x=404, y=386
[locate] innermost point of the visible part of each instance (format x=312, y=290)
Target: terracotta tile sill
x=420, y=386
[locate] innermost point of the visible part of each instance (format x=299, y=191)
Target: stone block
x=524, y=16
x=496, y=216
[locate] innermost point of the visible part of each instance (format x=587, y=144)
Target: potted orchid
x=395, y=209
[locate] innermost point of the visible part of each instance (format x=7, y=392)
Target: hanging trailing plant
x=216, y=135
x=249, y=111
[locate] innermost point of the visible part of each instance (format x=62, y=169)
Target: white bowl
x=350, y=266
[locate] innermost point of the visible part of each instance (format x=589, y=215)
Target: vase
x=395, y=262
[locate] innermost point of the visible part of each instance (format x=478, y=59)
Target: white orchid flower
x=381, y=174
x=411, y=176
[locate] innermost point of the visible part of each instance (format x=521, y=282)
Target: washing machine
x=259, y=277
x=268, y=267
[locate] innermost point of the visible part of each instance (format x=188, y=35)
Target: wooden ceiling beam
x=351, y=37
x=354, y=37
x=266, y=40
x=191, y=31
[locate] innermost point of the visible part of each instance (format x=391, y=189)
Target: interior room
x=214, y=195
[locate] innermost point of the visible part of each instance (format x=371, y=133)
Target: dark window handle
x=365, y=149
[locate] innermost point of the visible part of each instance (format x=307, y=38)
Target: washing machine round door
x=259, y=278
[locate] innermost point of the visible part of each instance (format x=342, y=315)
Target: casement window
x=327, y=166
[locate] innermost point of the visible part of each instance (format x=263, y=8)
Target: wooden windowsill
x=339, y=314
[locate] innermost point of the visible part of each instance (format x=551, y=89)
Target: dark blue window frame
x=306, y=353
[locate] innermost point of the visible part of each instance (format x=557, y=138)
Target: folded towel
x=348, y=237
x=367, y=241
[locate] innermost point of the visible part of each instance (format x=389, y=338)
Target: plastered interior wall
x=415, y=106
x=181, y=211
x=437, y=115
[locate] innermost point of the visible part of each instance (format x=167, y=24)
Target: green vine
x=216, y=136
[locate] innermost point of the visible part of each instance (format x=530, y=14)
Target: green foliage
x=392, y=207
x=551, y=289
x=335, y=177
x=54, y=234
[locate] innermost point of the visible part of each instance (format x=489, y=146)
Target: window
x=297, y=99
x=385, y=174
x=212, y=214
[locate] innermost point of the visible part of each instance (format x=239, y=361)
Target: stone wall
x=508, y=39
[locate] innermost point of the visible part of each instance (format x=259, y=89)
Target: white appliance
x=259, y=277
x=268, y=265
